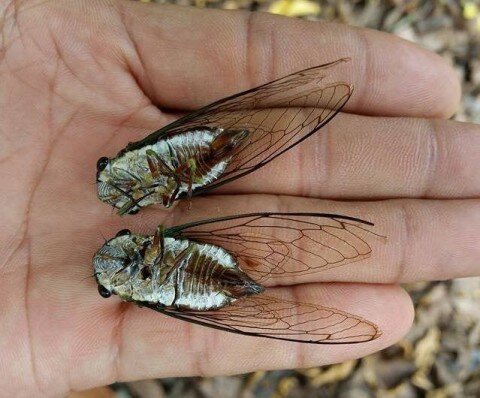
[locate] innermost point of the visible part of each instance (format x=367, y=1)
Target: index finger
x=185, y=58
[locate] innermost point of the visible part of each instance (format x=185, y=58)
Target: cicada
x=220, y=272
x=223, y=141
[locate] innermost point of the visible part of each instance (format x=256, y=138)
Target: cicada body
x=218, y=273
x=223, y=141
x=180, y=274
x=167, y=169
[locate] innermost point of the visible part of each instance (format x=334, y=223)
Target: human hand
x=81, y=79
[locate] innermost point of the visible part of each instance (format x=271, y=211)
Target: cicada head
x=118, y=265
x=126, y=183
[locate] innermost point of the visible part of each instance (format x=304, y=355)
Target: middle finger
x=362, y=157
x=416, y=239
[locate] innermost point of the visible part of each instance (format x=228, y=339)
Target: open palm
x=80, y=79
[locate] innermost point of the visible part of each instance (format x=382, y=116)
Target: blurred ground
x=440, y=357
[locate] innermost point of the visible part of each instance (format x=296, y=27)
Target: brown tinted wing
x=267, y=316
x=278, y=115
x=282, y=245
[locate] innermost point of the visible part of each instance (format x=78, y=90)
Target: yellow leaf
x=470, y=10
x=334, y=374
x=427, y=348
x=294, y=8
x=285, y=386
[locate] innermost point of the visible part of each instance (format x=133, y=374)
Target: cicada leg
x=168, y=200
x=189, y=168
x=154, y=252
x=227, y=142
x=158, y=166
x=185, y=172
x=153, y=256
x=159, y=244
x=180, y=260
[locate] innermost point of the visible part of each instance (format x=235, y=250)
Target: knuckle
x=259, y=48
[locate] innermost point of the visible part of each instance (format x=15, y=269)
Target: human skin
x=80, y=79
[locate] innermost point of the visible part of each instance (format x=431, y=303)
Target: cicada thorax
x=192, y=159
x=202, y=276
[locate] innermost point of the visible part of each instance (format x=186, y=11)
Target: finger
x=371, y=157
x=424, y=239
x=179, y=69
x=166, y=347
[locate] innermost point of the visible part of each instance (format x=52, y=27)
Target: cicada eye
x=102, y=163
x=123, y=232
x=104, y=292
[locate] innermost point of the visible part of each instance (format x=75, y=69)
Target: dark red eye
x=102, y=163
x=123, y=232
x=104, y=292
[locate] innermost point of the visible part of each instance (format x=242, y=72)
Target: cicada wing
x=273, y=317
x=272, y=246
x=277, y=116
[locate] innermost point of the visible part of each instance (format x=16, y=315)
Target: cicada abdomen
x=222, y=141
x=218, y=273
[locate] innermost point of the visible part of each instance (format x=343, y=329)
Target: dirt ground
x=440, y=357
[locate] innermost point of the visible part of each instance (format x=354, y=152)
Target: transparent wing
x=278, y=115
x=273, y=317
x=282, y=245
